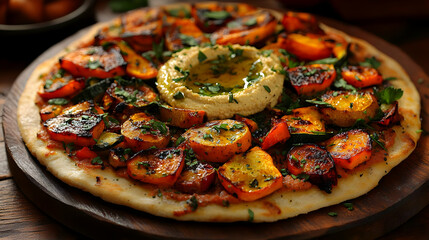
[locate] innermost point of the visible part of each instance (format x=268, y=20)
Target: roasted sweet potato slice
x=248, y=29
x=142, y=28
x=50, y=111
x=348, y=107
x=310, y=79
x=391, y=114
x=218, y=141
x=300, y=22
x=210, y=16
x=312, y=163
x=279, y=133
x=183, y=118
x=81, y=124
x=137, y=66
x=132, y=96
x=306, y=120
x=59, y=84
x=94, y=62
x=361, y=77
x=349, y=149
x=183, y=33
x=118, y=157
x=251, y=175
x=196, y=179
x=161, y=167
x=307, y=47
x=142, y=131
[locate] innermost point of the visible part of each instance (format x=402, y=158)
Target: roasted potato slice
x=300, y=22
x=251, y=175
x=142, y=28
x=142, y=132
x=249, y=29
x=349, y=149
x=306, y=120
x=310, y=79
x=161, y=167
x=391, y=114
x=137, y=66
x=348, y=107
x=218, y=141
x=361, y=77
x=313, y=163
x=183, y=118
x=81, y=124
x=50, y=111
x=183, y=33
x=306, y=47
x=94, y=62
x=196, y=179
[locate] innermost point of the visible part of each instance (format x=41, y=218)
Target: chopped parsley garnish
x=266, y=53
x=193, y=203
x=370, y=62
x=251, y=215
x=389, y=95
x=58, y=101
x=201, y=56
x=376, y=139
x=207, y=136
x=188, y=40
x=250, y=22
x=178, y=95
x=332, y=214
x=97, y=161
x=324, y=61
x=322, y=103
x=231, y=98
x=218, y=15
x=94, y=64
x=267, y=88
x=349, y=206
x=184, y=72
x=254, y=183
x=341, y=83
x=180, y=140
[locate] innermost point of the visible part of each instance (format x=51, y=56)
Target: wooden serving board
x=399, y=196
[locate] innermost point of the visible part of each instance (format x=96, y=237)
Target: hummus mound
x=221, y=80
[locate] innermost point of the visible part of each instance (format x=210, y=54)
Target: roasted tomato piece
x=59, y=84
x=132, y=96
x=183, y=33
x=85, y=153
x=279, y=133
x=391, y=114
x=314, y=163
x=300, y=22
x=248, y=29
x=81, y=124
x=137, y=66
x=142, y=28
x=306, y=47
x=310, y=79
x=218, y=141
x=118, y=157
x=361, y=77
x=142, y=131
x=349, y=149
x=250, y=175
x=161, y=167
x=305, y=120
x=196, y=178
x=50, y=111
x=183, y=118
x=252, y=125
x=348, y=107
x=210, y=16
x=94, y=62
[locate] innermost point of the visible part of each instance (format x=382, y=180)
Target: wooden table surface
x=20, y=219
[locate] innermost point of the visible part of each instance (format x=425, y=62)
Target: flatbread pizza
x=220, y=112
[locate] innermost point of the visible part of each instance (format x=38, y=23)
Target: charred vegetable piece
x=118, y=157
x=93, y=62
x=108, y=140
x=306, y=125
x=248, y=29
x=183, y=33
x=252, y=125
x=59, y=84
x=251, y=175
x=210, y=16
x=137, y=66
x=142, y=131
x=349, y=149
x=196, y=179
x=131, y=96
x=310, y=79
x=79, y=124
x=183, y=118
x=391, y=114
x=93, y=92
x=361, y=77
x=161, y=167
x=142, y=28
x=279, y=133
x=307, y=47
x=300, y=22
x=85, y=153
x=50, y=111
x=218, y=141
x=345, y=108
x=314, y=163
